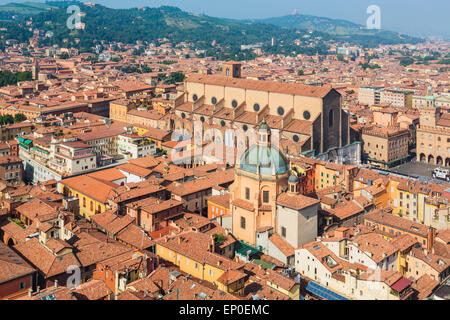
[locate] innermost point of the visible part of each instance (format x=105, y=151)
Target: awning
x=322, y=292
x=401, y=285
x=24, y=145
x=242, y=249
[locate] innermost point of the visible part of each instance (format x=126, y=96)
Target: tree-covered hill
x=174, y=25
x=341, y=29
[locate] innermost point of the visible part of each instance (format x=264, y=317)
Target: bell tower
x=231, y=69
x=264, y=134
x=293, y=184
x=429, y=116
x=35, y=69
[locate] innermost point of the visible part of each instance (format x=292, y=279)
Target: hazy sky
x=418, y=17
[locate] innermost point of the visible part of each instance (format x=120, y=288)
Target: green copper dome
x=263, y=126
x=270, y=160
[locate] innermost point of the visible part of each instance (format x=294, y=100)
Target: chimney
x=38, y=289
x=56, y=283
x=30, y=292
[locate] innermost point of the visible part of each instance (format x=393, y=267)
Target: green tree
x=300, y=72
x=406, y=62
x=64, y=56
x=6, y=119
x=175, y=77
x=19, y=117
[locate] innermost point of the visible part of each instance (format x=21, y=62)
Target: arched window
x=330, y=118
x=265, y=196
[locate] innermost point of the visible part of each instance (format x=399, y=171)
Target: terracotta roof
x=92, y=290
x=271, y=86
x=36, y=208
x=376, y=246
x=111, y=174
x=48, y=263
x=282, y=245
x=93, y=247
x=221, y=200
x=146, y=162
x=425, y=286
x=231, y=276
x=397, y=222
x=403, y=242
x=134, y=169
x=12, y=265
x=243, y=204
x=295, y=201
x=435, y=261
x=135, y=236
x=92, y=187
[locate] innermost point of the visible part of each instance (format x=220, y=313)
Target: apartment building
x=330, y=277
x=103, y=142
x=390, y=226
x=73, y=157
x=369, y=95
x=133, y=146
x=385, y=146
x=397, y=97
x=11, y=170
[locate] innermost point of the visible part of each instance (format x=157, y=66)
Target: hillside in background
x=342, y=29
x=174, y=25
x=20, y=10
